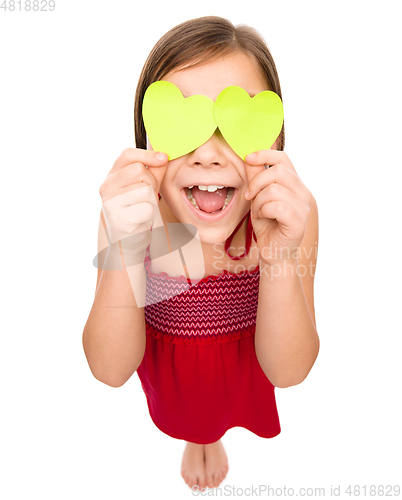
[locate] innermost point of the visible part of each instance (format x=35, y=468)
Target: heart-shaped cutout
x=176, y=125
x=248, y=124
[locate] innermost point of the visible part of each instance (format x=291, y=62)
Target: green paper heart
x=248, y=124
x=176, y=125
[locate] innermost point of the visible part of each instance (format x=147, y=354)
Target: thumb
x=158, y=167
x=252, y=170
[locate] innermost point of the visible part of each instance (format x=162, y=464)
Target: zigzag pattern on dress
x=218, y=308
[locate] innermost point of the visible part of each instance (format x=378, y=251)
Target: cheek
x=164, y=192
x=166, y=189
x=275, y=145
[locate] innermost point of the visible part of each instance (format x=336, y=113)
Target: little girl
x=210, y=350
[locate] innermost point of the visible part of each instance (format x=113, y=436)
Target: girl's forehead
x=211, y=77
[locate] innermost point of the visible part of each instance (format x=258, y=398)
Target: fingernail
x=246, y=193
x=160, y=156
x=251, y=156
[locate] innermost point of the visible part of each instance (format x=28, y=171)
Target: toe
x=210, y=480
x=203, y=482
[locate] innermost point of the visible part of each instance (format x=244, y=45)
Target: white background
x=68, y=80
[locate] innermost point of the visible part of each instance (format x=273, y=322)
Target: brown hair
x=197, y=41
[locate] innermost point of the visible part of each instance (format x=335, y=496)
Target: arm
x=114, y=337
x=286, y=338
x=114, y=334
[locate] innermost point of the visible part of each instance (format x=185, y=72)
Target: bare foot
x=193, y=465
x=216, y=463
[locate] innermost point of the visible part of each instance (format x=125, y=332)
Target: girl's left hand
x=280, y=205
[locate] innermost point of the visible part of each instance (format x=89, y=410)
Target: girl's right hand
x=130, y=199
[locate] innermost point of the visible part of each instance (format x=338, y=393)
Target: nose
x=210, y=154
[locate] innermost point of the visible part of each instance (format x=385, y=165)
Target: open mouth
x=209, y=200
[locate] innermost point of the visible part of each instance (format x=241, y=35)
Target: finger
x=282, y=175
x=269, y=157
x=115, y=192
x=277, y=192
x=133, y=175
x=140, y=213
x=285, y=214
x=143, y=194
x=136, y=155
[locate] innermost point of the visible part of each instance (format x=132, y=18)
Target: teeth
x=210, y=188
x=190, y=197
x=229, y=196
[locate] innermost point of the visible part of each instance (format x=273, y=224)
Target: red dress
x=200, y=373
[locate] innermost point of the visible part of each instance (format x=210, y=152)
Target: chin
x=183, y=211
x=211, y=236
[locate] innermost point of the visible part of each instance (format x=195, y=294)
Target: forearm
x=286, y=340
x=114, y=335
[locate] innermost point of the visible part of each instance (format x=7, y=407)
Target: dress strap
x=249, y=232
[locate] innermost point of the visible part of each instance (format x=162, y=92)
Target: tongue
x=210, y=202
